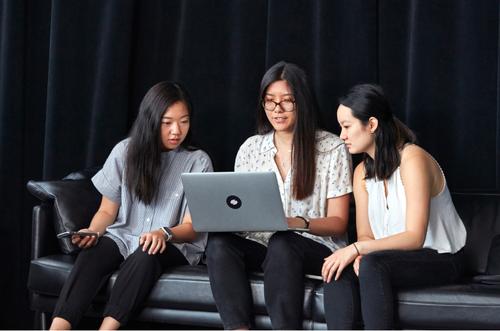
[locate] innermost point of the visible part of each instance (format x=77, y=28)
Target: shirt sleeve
x=108, y=181
x=340, y=173
x=242, y=162
x=202, y=164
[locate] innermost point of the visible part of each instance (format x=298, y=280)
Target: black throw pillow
x=75, y=203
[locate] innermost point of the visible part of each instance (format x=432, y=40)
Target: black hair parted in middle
x=306, y=124
x=367, y=101
x=143, y=159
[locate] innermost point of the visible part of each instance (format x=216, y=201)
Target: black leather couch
x=182, y=296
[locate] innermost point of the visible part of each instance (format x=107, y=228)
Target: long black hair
x=366, y=101
x=143, y=159
x=306, y=124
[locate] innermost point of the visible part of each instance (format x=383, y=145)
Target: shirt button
x=148, y=220
x=176, y=194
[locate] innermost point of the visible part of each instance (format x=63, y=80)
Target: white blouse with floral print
x=333, y=179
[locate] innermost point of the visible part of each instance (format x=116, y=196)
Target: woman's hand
x=155, y=240
x=296, y=223
x=356, y=263
x=336, y=263
x=85, y=241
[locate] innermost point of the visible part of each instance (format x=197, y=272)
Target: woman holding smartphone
x=142, y=225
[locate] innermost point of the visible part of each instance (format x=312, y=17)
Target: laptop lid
x=234, y=201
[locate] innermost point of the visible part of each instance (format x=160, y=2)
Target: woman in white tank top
x=408, y=231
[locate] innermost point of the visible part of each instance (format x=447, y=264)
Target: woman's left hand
x=356, y=263
x=336, y=263
x=155, y=240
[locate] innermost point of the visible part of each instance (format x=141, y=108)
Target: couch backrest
x=480, y=213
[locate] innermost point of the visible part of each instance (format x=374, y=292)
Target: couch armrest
x=43, y=237
x=73, y=203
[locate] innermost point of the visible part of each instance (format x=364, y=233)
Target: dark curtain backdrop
x=72, y=74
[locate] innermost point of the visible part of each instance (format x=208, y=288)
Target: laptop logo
x=233, y=202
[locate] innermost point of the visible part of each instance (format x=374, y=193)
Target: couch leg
x=41, y=321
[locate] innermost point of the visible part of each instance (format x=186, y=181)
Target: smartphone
x=72, y=233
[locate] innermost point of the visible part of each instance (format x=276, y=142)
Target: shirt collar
x=268, y=143
x=321, y=144
x=171, y=153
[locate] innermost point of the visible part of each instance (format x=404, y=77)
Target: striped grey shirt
x=135, y=218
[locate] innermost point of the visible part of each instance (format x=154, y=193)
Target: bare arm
x=418, y=181
x=335, y=223
x=184, y=232
x=335, y=263
x=363, y=228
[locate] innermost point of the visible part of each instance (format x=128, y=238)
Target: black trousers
x=371, y=296
x=93, y=267
x=288, y=258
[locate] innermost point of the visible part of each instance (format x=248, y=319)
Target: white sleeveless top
x=387, y=215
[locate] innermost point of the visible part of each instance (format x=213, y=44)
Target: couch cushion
x=462, y=306
x=171, y=291
x=75, y=202
x=183, y=288
x=459, y=306
x=48, y=274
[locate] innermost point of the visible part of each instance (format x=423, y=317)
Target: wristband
x=168, y=233
x=306, y=221
x=356, y=247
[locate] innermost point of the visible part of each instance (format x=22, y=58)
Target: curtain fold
x=72, y=75
x=440, y=70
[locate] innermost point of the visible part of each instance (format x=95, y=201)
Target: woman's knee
x=91, y=253
x=91, y=256
x=218, y=246
x=371, y=264
x=281, y=243
x=142, y=259
x=281, y=250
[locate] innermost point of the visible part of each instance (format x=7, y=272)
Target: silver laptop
x=234, y=201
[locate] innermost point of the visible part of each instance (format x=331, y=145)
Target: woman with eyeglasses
x=142, y=225
x=313, y=170
x=409, y=233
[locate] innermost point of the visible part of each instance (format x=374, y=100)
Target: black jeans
x=371, y=296
x=93, y=266
x=288, y=258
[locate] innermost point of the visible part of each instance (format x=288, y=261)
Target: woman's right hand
x=85, y=241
